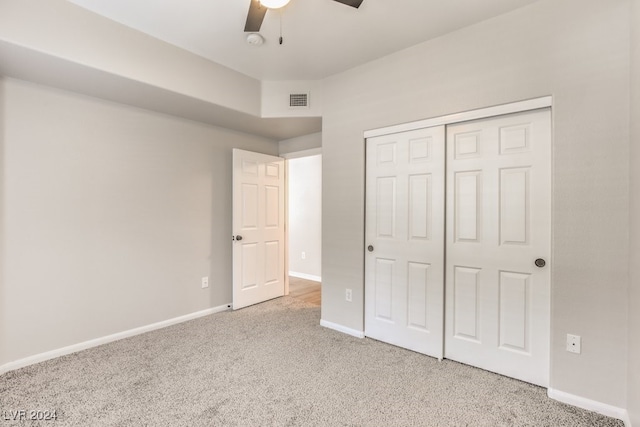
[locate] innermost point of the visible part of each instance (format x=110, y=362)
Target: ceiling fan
x=258, y=8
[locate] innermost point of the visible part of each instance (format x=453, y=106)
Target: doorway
x=304, y=190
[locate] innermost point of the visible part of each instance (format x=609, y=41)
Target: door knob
x=238, y=237
x=370, y=248
x=540, y=262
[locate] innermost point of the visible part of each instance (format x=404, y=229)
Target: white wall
x=305, y=215
x=633, y=390
x=111, y=216
x=575, y=50
x=300, y=143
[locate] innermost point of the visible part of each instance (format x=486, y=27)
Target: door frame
x=465, y=116
x=288, y=156
x=481, y=113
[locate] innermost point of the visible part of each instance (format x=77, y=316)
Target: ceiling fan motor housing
x=258, y=9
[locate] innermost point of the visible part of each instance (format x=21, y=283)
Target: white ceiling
x=321, y=37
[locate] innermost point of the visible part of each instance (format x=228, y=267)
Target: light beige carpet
x=273, y=365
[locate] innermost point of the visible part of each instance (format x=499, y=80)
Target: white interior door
x=404, y=261
x=498, y=225
x=258, y=228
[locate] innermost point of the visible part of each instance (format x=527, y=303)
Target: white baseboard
x=305, y=276
x=343, y=329
x=590, y=405
x=21, y=363
x=627, y=419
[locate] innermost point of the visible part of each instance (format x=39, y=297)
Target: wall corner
x=3, y=344
x=633, y=367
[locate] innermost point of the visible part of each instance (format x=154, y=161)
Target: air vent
x=299, y=100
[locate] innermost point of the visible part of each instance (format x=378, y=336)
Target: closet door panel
x=497, y=311
x=404, y=250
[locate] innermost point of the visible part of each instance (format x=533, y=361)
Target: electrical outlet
x=205, y=282
x=574, y=343
x=303, y=255
x=348, y=295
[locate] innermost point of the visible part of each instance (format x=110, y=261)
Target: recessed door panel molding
x=249, y=213
x=272, y=261
x=272, y=170
x=515, y=311
x=384, y=289
x=515, y=139
x=250, y=167
x=420, y=216
x=272, y=206
x=386, y=154
x=417, y=296
x=467, y=145
x=465, y=302
x=249, y=265
x=499, y=222
x=404, y=257
x=257, y=232
x=420, y=149
x=386, y=209
x=514, y=206
x=468, y=205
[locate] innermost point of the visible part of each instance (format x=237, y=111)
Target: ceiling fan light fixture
x=274, y=4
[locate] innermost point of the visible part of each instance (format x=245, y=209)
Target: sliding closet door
x=404, y=258
x=498, y=244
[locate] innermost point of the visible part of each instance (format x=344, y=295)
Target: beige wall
x=3, y=322
x=301, y=143
x=633, y=391
x=111, y=217
x=575, y=50
x=65, y=30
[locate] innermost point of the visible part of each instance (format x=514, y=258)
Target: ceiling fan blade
x=255, y=16
x=352, y=3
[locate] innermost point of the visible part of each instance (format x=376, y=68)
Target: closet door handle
x=238, y=237
x=540, y=262
x=370, y=248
